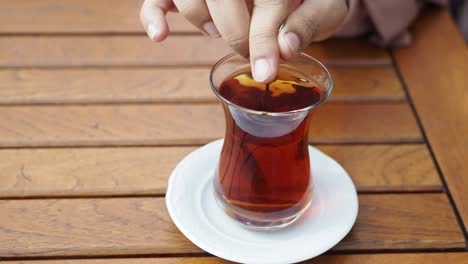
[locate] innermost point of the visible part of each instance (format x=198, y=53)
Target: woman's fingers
x=153, y=12
x=232, y=18
x=267, y=16
x=313, y=20
x=153, y=18
x=251, y=27
x=196, y=12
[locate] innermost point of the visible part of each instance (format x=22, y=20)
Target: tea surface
x=288, y=92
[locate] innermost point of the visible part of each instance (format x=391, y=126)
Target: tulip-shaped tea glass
x=263, y=178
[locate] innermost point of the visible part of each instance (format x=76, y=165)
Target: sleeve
x=386, y=21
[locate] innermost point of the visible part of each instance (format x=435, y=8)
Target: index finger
x=153, y=18
x=267, y=16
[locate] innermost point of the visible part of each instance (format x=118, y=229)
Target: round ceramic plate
x=191, y=203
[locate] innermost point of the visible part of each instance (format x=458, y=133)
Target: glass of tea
x=263, y=178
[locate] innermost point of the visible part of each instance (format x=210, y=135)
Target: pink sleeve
x=386, y=20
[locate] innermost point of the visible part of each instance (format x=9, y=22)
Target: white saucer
x=192, y=206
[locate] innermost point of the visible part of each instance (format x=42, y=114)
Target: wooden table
x=93, y=118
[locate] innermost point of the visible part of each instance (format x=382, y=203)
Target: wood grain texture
x=62, y=51
x=85, y=66
x=137, y=171
x=348, y=52
x=427, y=258
x=418, y=217
x=373, y=120
x=87, y=171
x=439, y=91
x=85, y=16
x=108, y=50
x=89, y=227
x=181, y=124
x=143, y=85
x=387, y=167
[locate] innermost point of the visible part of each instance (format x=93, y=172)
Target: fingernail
x=211, y=29
x=293, y=42
x=262, y=70
x=152, y=31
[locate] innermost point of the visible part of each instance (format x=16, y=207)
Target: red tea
x=264, y=166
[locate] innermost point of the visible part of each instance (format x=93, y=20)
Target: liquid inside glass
x=287, y=93
x=264, y=170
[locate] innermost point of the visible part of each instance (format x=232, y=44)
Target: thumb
x=312, y=21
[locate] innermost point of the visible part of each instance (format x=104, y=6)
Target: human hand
x=252, y=27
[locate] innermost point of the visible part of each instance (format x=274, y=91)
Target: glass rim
x=251, y=111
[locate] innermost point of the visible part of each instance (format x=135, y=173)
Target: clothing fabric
x=386, y=21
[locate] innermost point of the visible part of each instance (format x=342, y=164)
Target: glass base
x=260, y=225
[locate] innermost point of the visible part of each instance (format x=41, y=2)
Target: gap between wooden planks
x=125, y=226
x=85, y=51
x=188, y=124
x=66, y=172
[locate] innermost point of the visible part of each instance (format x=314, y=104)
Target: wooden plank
x=366, y=84
x=182, y=124
x=381, y=217
x=348, y=52
x=439, y=91
x=387, y=167
x=85, y=16
x=414, y=258
x=137, y=171
x=168, y=85
x=108, y=50
x=370, y=123
x=123, y=226
x=61, y=51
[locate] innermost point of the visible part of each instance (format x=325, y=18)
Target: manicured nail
x=293, y=42
x=152, y=31
x=262, y=70
x=211, y=29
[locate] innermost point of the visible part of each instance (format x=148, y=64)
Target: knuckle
x=338, y=8
x=271, y=3
x=342, y=9
x=311, y=26
x=237, y=42
x=189, y=9
x=261, y=35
